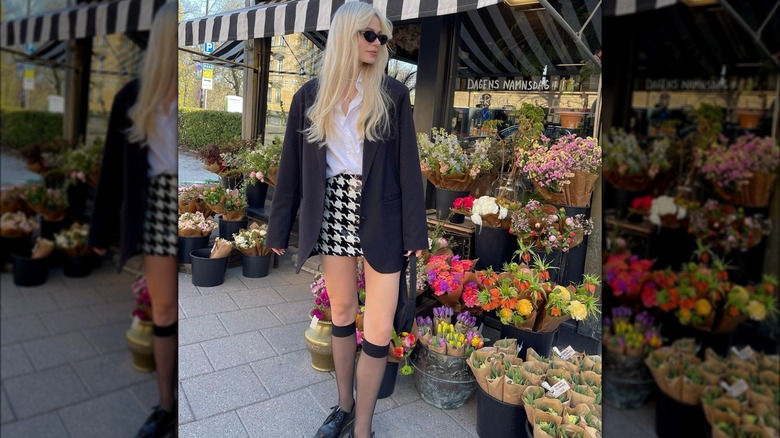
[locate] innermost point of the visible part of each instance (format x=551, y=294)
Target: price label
x=314, y=321
x=559, y=388
x=738, y=388
x=567, y=353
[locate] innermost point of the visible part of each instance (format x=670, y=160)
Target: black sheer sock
x=370, y=371
x=165, y=344
x=344, y=348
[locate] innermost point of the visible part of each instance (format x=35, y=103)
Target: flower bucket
x=756, y=193
x=14, y=245
x=255, y=266
x=493, y=246
x=575, y=194
x=575, y=257
x=231, y=183
x=749, y=119
x=457, y=218
x=627, y=381
x=541, y=342
x=444, y=200
x=388, y=380
x=77, y=199
x=571, y=119
x=50, y=228
x=227, y=228
x=255, y=194
x=496, y=418
x=188, y=244
x=78, y=266
x=443, y=381
x=29, y=271
x=207, y=272
x=139, y=341
x=319, y=343
x=674, y=419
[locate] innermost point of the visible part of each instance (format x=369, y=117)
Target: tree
x=406, y=73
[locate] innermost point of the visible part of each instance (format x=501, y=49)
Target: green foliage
x=19, y=128
x=197, y=128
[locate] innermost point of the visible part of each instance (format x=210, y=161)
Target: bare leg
x=381, y=301
x=162, y=279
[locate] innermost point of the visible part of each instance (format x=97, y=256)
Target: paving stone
x=466, y=415
x=43, y=426
x=287, y=373
x=109, y=372
x=636, y=423
x=241, y=321
x=185, y=413
x=271, y=280
x=44, y=391
x=246, y=299
x=108, y=338
x=286, y=338
x=98, y=417
x=186, y=288
x=296, y=292
x=232, y=283
x=71, y=320
x=293, y=278
x=237, y=350
x=193, y=361
x=147, y=394
x=53, y=284
x=17, y=305
x=417, y=419
x=14, y=362
x=192, y=330
x=293, y=414
x=59, y=349
x=112, y=293
x=6, y=414
x=24, y=328
x=223, y=391
x=206, y=305
x=116, y=311
x=74, y=298
x=7, y=283
x=405, y=392
x=292, y=312
x=227, y=424
x=327, y=396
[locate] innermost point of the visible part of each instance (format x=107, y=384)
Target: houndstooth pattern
x=162, y=216
x=341, y=217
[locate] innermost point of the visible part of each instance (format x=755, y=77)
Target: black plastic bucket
x=493, y=246
x=228, y=228
x=189, y=244
x=78, y=266
x=255, y=266
x=444, y=200
x=540, y=342
x=207, y=272
x=498, y=419
x=29, y=271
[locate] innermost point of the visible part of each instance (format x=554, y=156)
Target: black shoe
x=336, y=422
x=158, y=425
x=351, y=433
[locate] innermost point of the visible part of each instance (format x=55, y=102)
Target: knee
x=379, y=336
x=164, y=314
x=343, y=314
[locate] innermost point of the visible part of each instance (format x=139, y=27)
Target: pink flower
x=252, y=174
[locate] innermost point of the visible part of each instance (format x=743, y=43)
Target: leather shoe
x=336, y=422
x=159, y=424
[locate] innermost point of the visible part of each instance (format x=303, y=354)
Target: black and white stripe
x=627, y=7
x=305, y=16
x=81, y=21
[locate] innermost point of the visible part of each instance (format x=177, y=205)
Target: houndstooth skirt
x=341, y=217
x=162, y=216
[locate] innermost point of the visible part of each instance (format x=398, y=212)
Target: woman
x=139, y=175
x=350, y=162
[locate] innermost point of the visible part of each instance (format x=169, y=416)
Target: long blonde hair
x=159, y=76
x=341, y=67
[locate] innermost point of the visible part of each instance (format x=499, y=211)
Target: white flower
x=665, y=205
x=477, y=219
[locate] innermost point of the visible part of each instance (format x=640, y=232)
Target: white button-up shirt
x=345, y=152
x=163, y=152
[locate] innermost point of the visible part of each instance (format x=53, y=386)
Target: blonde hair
x=341, y=67
x=159, y=75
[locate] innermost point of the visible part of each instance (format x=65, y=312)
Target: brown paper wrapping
x=546, y=323
x=529, y=408
x=513, y=393
x=533, y=373
x=218, y=207
x=691, y=393
x=590, y=378
x=539, y=433
x=730, y=323
x=573, y=368
x=496, y=387
x=718, y=416
x=757, y=399
x=456, y=352
x=507, y=346
x=578, y=399
x=480, y=374
x=234, y=215
x=717, y=433
x=771, y=362
x=42, y=249
x=459, y=181
x=770, y=378
x=572, y=430
x=542, y=415
x=435, y=346
x=271, y=176
x=556, y=374
x=575, y=194
x=221, y=248
x=753, y=430
x=672, y=386
x=532, y=356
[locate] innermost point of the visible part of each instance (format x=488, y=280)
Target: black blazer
x=120, y=198
x=392, y=212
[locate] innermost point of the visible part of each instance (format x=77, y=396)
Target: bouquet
x=401, y=346
x=143, y=301
x=629, y=334
x=664, y=211
x=487, y=211
x=727, y=226
x=446, y=275
x=321, y=308
x=195, y=225
x=458, y=340
x=446, y=164
x=222, y=248
x=252, y=241
x=73, y=241
x=43, y=248
x=12, y=199
x=17, y=224
x=626, y=274
x=625, y=160
x=223, y=159
x=463, y=205
x=51, y=203
x=82, y=164
x=230, y=203
x=731, y=168
x=545, y=226
x=191, y=199
x=256, y=163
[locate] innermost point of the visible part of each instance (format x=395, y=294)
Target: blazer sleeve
x=287, y=193
x=108, y=194
x=415, y=228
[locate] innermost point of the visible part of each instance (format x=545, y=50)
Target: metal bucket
x=443, y=381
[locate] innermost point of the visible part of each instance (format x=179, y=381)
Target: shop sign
x=664, y=84
x=506, y=84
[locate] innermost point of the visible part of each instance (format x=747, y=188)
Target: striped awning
x=304, y=16
x=626, y=7
x=81, y=21
x=234, y=51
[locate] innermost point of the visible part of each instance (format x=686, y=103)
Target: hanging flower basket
x=755, y=193
x=575, y=194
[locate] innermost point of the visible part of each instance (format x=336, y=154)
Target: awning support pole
x=756, y=35
x=577, y=39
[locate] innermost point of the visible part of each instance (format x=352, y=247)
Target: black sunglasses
x=371, y=36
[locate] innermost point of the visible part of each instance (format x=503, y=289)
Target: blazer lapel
x=369, y=155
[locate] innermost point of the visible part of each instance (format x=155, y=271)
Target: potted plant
x=256, y=255
x=191, y=199
x=73, y=242
x=450, y=168
x=16, y=229
x=51, y=203
x=139, y=334
x=224, y=161
x=194, y=233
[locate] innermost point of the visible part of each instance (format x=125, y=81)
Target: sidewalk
x=66, y=369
